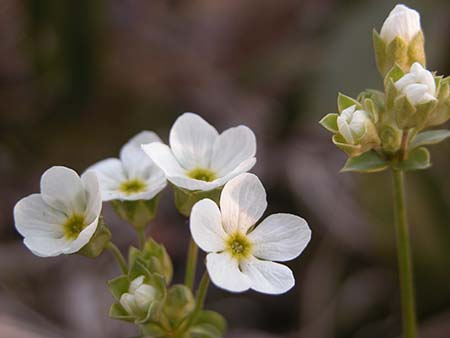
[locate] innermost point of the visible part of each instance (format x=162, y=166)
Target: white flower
x=352, y=124
x=201, y=159
x=418, y=85
x=402, y=21
x=132, y=177
x=138, y=298
x=64, y=216
x=239, y=254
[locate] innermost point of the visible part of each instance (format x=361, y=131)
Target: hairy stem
x=404, y=256
x=141, y=237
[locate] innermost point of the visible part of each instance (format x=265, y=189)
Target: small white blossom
x=352, y=124
x=64, y=216
x=199, y=158
x=133, y=176
x=137, y=300
x=418, y=85
x=402, y=21
x=240, y=255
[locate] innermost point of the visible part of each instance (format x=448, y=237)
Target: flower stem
x=201, y=293
x=191, y=265
x=118, y=256
x=404, y=256
x=141, y=237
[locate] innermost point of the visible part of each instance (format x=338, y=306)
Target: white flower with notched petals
x=137, y=300
x=418, y=85
x=199, y=158
x=240, y=255
x=64, y=216
x=403, y=22
x=133, y=176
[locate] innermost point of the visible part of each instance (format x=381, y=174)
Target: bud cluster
x=382, y=129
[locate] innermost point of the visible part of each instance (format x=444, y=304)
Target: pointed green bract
x=367, y=163
x=417, y=159
x=345, y=101
x=329, y=122
x=429, y=137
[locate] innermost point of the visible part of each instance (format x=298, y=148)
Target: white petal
x=232, y=147
x=344, y=130
x=191, y=140
x=416, y=93
x=110, y=174
x=33, y=217
x=268, y=277
x=82, y=239
x=62, y=189
x=93, y=195
x=46, y=246
x=404, y=81
x=206, y=226
x=280, y=237
x=163, y=158
x=224, y=272
x=136, y=163
x=242, y=203
x=403, y=22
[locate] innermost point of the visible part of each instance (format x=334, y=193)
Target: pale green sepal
x=391, y=138
x=429, y=137
x=416, y=49
x=345, y=101
x=180, y=303
x=350, y=149
x=329, y=122
x=212, y=318
x=185, y=199
x=118, y=286
x=380, y=52
x=397, y=53
x=391, y=95
x=138, y=213
x=372, y=109
x=98, y=242
x=205, y=331
x=138, y=269
x=116, y=311
x=417, y=159
x=155, y=258
x=423, y=112
x=394, y=74
x=441, y=113
x=153, y=330
x=404, y=110
x=366, y=163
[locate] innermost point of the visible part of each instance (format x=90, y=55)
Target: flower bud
x=418, y=85
x=357, y=131
x=139, y=297
x=400, y=40
x=179, y=304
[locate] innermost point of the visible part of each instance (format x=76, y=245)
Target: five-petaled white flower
x=201, y=159
x=418, y=85
x=403, y=22
x=132, y=177
x=240, y=255
x=64, y=216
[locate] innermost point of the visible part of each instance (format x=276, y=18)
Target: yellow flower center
x=73, y=226
x=202, y=174
x=133, y=186
x=239, y=246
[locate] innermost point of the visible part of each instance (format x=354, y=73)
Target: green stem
x=141, y=236
x=118, y=256
x=404, y=256
x=201, y=293
x=191, y=265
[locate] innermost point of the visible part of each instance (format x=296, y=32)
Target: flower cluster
x=208, y=174
x=381, y=129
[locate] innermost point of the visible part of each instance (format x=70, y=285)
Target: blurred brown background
x=78, y=78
